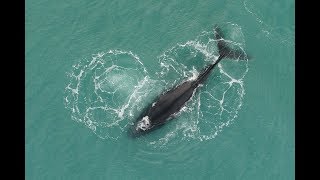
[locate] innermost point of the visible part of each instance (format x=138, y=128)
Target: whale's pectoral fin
x=224, y=50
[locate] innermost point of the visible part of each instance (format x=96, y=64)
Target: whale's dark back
x=170, y=102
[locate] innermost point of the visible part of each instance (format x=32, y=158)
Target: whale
x=165, y=107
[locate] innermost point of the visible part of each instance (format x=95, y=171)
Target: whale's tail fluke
x=224, y=52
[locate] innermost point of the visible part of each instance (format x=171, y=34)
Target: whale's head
x=141, y=127
x=144, y=124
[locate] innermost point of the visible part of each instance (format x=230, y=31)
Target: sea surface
x=92, y=67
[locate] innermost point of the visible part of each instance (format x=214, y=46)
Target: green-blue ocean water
x=92, y=67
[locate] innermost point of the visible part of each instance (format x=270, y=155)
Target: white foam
x=100, y=112
x=195, y=74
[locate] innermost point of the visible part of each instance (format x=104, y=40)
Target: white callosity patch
x=153, y=104
x=144, y=124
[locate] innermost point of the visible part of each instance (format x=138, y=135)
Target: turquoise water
x=92, y=67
